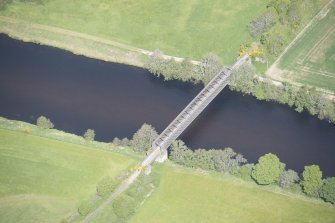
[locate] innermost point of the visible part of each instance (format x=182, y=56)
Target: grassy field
x=44, y=180
x=184, y=196
x=311, y=59
x=180, y=28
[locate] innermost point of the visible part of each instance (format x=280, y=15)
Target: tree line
x=245, y=80
x=268, y=170
x=186, y=70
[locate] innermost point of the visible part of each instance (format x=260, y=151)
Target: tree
x=210, y=66
x=155, y=63
x=180, y=153
x=281, y=7
x=262, y=23
x=187, y=70
x=268, y=169
x=44, y=123
x=124, y=206
x=312, y=180
x=288, y=178
x=106, y=185
x=84, y=208
x=227, y=160
x=294, y=16
x=276, y=40
x=89, y=135
x=328, y=190
x=203, y=159
x=242, y=78
x=143, y=138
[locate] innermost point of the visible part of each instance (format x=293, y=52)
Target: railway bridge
x=191, y=111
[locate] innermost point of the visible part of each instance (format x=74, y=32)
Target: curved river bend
x=78, y=93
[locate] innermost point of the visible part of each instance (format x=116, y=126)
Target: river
x=78, y=93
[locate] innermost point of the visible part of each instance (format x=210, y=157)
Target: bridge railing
x=195, y=107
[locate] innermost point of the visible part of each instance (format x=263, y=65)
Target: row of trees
x=186, y=70
x=268, y=169
x=220, y=160
x=301, y=98
x=281, y=21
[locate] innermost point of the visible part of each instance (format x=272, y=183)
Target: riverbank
x=61, y=136
x=186, y=188
x=75, y=42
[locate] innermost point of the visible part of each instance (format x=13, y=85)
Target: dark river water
x=78, y=93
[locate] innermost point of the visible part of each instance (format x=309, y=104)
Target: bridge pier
x=163, y=155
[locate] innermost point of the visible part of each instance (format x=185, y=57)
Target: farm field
x=185, y=196
x=311, y=59
x=179, y=28
x=44, y=180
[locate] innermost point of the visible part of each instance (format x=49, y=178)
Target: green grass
x=180, y=28
x=311, y=60
x=44, y=180
x=184, y=196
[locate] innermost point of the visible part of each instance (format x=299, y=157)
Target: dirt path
x=124, y=186
x=274, y=71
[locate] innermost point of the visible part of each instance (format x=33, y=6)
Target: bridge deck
x=192, y=110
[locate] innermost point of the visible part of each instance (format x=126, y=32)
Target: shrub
x=116, y=141
x=328, y=190
x=244, y=172
x=125, y=142
x=227, y=160
x=44, y=123
x=180, y=153
x=84, y=208
x=262, y=23
x=124, y=206
x=106, y=185
x=210, y=65
x=89, y=135
x=288, y=178
x=156, y=63
x=312, y=180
